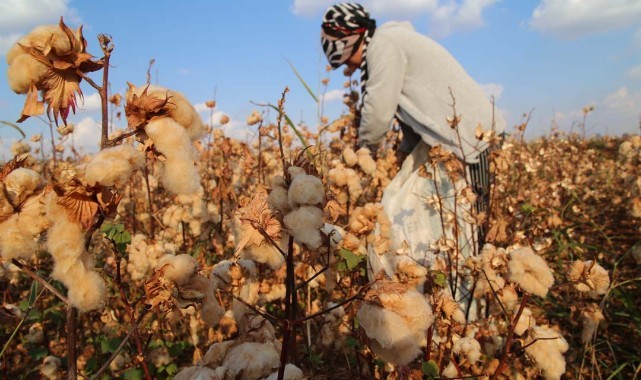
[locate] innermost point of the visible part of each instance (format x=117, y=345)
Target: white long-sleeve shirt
x=410, y=76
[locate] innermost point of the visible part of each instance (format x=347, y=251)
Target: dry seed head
x=588, y=276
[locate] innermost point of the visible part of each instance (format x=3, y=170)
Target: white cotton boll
x=250, y=360
x=113, y=166
x=295, y=171
x=86, y=292
x=389, y=334
x=202, y=373
x=354, y=186
x=337, y=176
x=291, y=373
x=20, y=147
x=365, y=161
x=412, y=306
x=278, y=199
x=265, y=254
x=305, y=190
x=179, y=109
x=216, y=353
x=179, y=268
x=180, y=175
x=450, y=371
x=526, y=321
x=21, y=183
x=20, y=234
x=335, y=234
x=349, y=157
x=469, y=347
x=24, y=70
x=547, y=354
x=50, y=367
x=530, y=272
x=305, y=224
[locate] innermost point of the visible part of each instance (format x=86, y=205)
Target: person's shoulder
x=395, y=27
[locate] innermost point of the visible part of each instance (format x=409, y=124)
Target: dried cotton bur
x=49, y=59
x=176, y=285
x=172, y=124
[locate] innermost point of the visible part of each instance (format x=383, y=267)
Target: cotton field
x=178, y=252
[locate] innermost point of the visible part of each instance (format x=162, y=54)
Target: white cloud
x=332, y=95
x=624, y=100
x=308, y=8
x=574, y=18
x=86, y=135
x=90, y=103
x=492, y=90
x=7, y=41
x=458, y=16
x=635, y=72
x=18, y=17
x=446, y=16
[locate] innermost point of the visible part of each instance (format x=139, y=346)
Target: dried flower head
x=588, y=276
x=49, y=59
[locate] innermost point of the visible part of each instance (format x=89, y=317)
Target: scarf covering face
x=344, y=27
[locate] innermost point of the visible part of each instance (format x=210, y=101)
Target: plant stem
x=72, y=316
x=510, y=335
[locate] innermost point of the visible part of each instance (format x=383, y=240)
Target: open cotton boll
x=178, y=108
x=295, y=171
x=450, y=371
x=365, y=161
x=24, y=70
x=412, y=306
x=337, y=176
x=251, y=360
x=349, y=157
x=305, y=190
x=291, y=373
x=526, y=321
x=469, y=347
x=179, y=268
x=50, y=367
x=87, y=292
x=202, y=373
x=180, y=175
x=547, y=351
x=265, y=254
x=389, y=331
x=591, y=317
x=530, y=272
x=278, y=199
x=21, y=183
x=113, y=166
x=20, y=233
x=305, y=224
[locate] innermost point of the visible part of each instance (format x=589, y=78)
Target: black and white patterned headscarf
x=344, y=26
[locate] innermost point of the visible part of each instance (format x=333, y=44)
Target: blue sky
x=550, y=56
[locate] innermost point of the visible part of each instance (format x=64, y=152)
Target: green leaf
x=132, y=374
x=38, y=353
x=109, y=345
x=171, y=369
x=430, y=369
x=33, y=293
x=527, y=208
x=300, y=78
x=351, y=259
x=351, y=342
x=440, y=279
x=14, y=127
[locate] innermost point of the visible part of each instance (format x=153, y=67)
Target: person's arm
x=386, y=68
